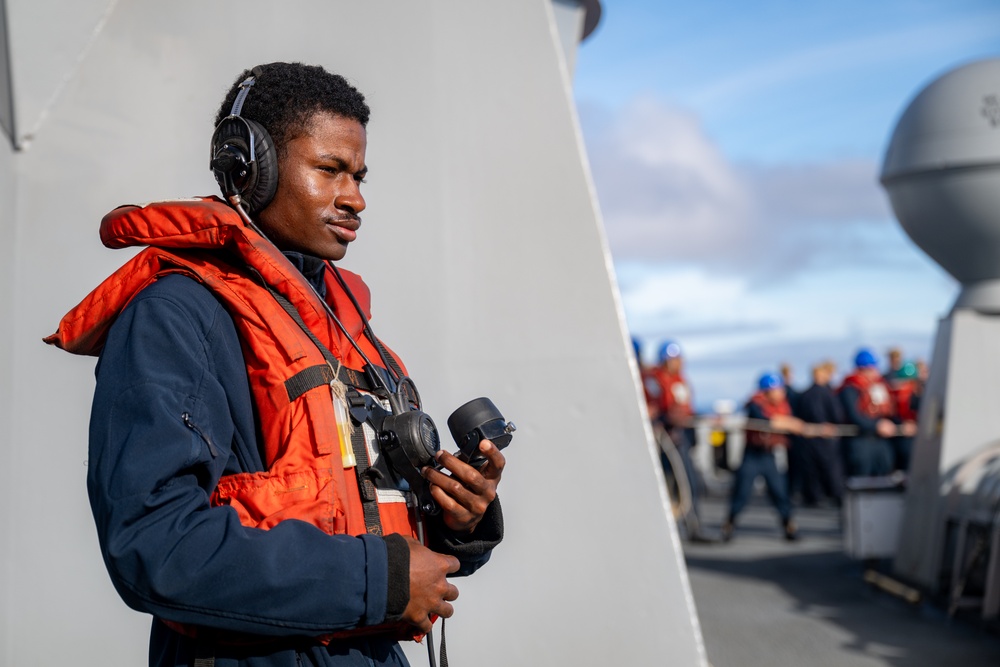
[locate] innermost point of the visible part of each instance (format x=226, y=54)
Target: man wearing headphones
x=236, y=469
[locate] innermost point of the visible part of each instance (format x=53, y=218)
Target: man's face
x=895, y=359
x=673, y=365
x=776, y=395
x=315, y=210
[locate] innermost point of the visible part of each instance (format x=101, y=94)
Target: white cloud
x=669, y=194
x=663, y=186
x=750, y=265
x=687, y=290
x=731, y=330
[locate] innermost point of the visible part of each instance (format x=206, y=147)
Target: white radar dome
x=942, y=173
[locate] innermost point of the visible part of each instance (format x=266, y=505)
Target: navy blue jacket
x=849, y=400
x=819, y=404
x=172, y=413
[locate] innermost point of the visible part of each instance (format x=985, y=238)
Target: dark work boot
x=791, y=531
x=726, y=530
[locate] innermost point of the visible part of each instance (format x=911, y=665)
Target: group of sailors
x=862, y=428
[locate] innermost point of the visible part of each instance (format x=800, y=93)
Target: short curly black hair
x=286, y=95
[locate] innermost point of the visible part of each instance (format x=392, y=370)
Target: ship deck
x=765, y=602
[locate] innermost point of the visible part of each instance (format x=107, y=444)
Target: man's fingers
x=496, y=459
x=462, y=489
x=450, y=594
x=430, y=590
x=461, y=473
x=445, y=610
x=444, y=501
x=453, y=496
x=465, y=494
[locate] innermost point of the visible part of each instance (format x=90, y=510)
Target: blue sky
x=736, y=149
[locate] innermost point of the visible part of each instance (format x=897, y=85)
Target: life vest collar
x=200, y=222
x=211, y=224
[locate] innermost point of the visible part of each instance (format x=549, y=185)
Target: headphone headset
x=243, y=156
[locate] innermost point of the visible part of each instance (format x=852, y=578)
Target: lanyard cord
x=390, y=367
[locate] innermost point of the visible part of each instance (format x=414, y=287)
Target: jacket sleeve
x=849, y=401
x=836, y=409
x=472, y=550
x=754, y=411
x=171, y=414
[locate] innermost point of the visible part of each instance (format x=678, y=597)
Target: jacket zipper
x=194, y=427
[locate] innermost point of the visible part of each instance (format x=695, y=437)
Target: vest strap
x=366, y=486
x=322, y=375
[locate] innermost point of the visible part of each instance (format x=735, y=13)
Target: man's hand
x=430, y=591
x=465, y=494
x=787, y=423
x=823, y=430
x=827, y=430
x=885, y=428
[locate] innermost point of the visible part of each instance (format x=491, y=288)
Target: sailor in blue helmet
x=673, y=410
x=867, y=406
x=769, y=421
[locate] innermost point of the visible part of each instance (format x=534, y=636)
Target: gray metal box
x=873, y=515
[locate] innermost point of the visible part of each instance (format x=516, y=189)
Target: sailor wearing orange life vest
x=675, y=411
x=770, y=421
x=674, y=405
x=867, y=405
x=904, y=390
x=228, y=500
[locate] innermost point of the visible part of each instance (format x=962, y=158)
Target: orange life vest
x=675, y=397
x=770, y=410
x=307, y=477
x=873, y=396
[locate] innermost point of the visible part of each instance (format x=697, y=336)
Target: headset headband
x=242, y=95
x=238, y=106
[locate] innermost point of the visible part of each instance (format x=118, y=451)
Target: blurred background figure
x=769, y=421
x=865, y=399
x=797, y=465
x=894, y=357
x=674, y=412
x=823, y=471
x=788, y=376
x=650, y=389
x=905, y=389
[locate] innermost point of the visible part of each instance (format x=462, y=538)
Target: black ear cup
x=260, y=194
x=245, y=162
